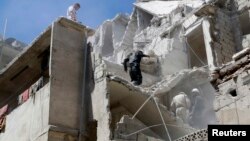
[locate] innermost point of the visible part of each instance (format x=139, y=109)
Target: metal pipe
x=163, y=121
x=83, y=118
x=142, y=106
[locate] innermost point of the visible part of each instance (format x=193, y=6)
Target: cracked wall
x=227, y=47
x=233, y=87
x=185, y=43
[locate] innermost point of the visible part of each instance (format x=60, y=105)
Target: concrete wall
x=54, y=112
x=245, y=29
x=246, y=41
x=242, y=4
x=166, y=49
x=144, y=19
x=227, y=46
x=244, y=22
x=66, y=71
x=59, y=136
x=119, y=26
x=172, y=49
x=100, y=101
x=234, y=109
x=109, y=35
x=128, y=39
x=30, y=120
x=106, y=47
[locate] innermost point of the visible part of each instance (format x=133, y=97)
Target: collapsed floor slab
x=144, y=103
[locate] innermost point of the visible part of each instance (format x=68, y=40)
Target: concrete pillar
x=66, y=71
x=208, y=41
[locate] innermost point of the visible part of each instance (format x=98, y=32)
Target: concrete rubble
x=232, y=84
x=199, y=50
x=191, y=44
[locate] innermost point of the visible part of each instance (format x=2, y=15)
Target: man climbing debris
x=71, y=12
x=180, y=106
x=133, y=61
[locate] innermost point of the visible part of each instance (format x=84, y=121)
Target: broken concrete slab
x=133, y=98
x=160, y=8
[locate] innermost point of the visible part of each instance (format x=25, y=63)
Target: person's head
x=195, y=92
x=77, y=6
x=139, y=53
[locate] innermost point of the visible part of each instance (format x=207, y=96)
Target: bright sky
x=28, y=18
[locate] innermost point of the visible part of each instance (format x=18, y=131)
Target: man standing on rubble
x=133, y=60
x=71, y=12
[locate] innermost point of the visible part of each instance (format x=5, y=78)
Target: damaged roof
x=159, y=8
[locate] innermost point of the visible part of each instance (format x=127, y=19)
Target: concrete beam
x=24, y=70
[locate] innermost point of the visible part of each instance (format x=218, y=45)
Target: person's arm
x=144, y=55
x=172, y=106
x=188, y=102
x=74, y=18
x=125, y=61
x=193, y=108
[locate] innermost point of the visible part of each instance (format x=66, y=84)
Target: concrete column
x=208, y=40
x=66, y=71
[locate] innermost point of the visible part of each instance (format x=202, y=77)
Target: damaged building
x=69, y=84
x=9, y=48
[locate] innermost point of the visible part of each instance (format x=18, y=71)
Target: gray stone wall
x=242, y=4
x=66, y=76
x=100, y=100
x=29, y=121
x=232, y=103
x=226, y=46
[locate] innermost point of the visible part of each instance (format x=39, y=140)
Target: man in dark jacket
x=134, y=60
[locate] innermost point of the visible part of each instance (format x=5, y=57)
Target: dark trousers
x=135, y=73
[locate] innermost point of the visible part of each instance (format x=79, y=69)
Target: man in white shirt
x=180, y=106
x=71, y=12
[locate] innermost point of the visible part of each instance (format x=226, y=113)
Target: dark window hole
x=233, y=93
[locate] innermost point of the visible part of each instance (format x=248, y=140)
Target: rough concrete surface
x=199, y=53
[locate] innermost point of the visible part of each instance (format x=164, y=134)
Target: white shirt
x=71, y=13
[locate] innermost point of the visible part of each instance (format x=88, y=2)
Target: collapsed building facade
x=9, y=48
x=79, y=91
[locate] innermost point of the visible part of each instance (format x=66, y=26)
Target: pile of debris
x=240, y=64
